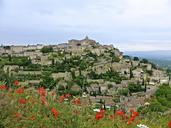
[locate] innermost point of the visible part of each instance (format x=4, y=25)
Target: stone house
x=138, y=73
x=148, y=67
x=65, y=75
x=135, y=63
x=164, y=80
x=17, y=49
x=45, y=60
x=9, y=68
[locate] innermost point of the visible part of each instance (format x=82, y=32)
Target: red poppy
x=61, y=98
x=169, y=124
x=18, y=115
x=42, y=91
x=102, y=111
x=132, y=118
x=20, y=90
x=129, y=122
x=16, y=83
x=22, y=101
x=2, y=87
x=99, y=115
x=77, y=101
x=120, y=113
x=135, y=114
x=55, y=113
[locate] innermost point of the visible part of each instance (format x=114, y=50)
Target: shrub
x=47, y=49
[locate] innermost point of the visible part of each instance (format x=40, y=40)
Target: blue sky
x=130, y=25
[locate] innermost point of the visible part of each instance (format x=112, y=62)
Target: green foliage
x=157, y=107
x=68, y=63
x=32, y=67
x=23, y=77
x=126, y=57
x=162, y=99
x=136, y=59
x=110, y=75
x=21, y=61
x=109, y=86
x=48, y=81
x=144, y=61
x=124, y=91
x=47, y=49
x=93, y=55
x=133, y=87
x=149, y=72
x=8, y=79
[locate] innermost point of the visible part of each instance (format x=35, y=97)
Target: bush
x=136, y=59
x=124, y=92
x=157, y=107
x=47, y=49
x=132, y=87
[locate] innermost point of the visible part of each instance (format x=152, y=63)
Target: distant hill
x=162, y=58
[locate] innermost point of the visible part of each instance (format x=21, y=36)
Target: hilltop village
x=99, y=74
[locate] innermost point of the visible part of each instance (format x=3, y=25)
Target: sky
x=130, y=25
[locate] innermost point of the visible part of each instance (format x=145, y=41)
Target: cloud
x=147, y=45
x=107, y=21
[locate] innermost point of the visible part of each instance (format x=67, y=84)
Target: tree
x=131, y=73
x=134, y=87
x=10, y=58
x=144, y=61
x=124, y=92
x=136, y=59
x=46, y=49
x=48, y=81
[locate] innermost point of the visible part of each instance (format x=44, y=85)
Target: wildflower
x=42, y=91
x=102, y=111
x=96, y=110
x=77, y=101
x=55, y=113
x=129, y=122
x=120, y=113
x=61, y=98
x=99, y=115
x=22, y=101
x=135, y=114
x=142, y=126
x=18, y=115
x=169, y=124
x=20, y=90
x=2, y=87
x=16, y=83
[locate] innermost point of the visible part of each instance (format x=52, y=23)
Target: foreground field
x=22, y=107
